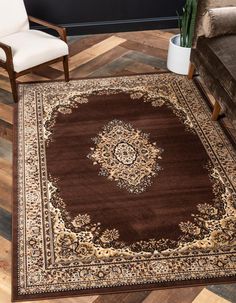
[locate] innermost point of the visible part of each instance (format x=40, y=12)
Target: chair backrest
x=13, y=17
x=203, y=6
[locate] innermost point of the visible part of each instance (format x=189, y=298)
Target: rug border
x=14, y=205
x=95, y=291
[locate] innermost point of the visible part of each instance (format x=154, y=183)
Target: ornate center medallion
x=125, y=153
x=126, y=156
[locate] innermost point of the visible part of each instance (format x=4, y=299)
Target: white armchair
x=22, y=49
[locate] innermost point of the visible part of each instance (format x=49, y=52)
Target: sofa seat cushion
x=220, y=58
x=32, y=47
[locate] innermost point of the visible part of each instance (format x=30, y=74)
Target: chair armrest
x=61, y=30
x=8, y=51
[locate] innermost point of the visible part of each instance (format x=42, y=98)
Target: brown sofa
x=215, y=60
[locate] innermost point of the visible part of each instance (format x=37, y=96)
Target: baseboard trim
x=83, y=28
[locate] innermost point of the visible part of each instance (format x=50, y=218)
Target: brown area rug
x=121, y=184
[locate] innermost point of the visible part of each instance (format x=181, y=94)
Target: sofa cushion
x=203, y=6
x=32, y=47
x=219, y=21
x=220, y=58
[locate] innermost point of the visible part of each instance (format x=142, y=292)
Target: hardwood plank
x=136, y=297
x=5, y=224
x=139, y=67
x=6, y=131
x=148, y=60
x=133, y=297
x=147, y=38
x=114, y=68
x=5, y=174
x=5, y=150
x=5, y=196
x=6, y=168
x=227, y=291
x=75, y=61
x=160, y=33
x=94, y=51
x=6, y=97
x=209, y=297
x=87, y=299
x=91, y=52
x=49, y=72
x=183, y=295
x=33, y=77
x=5, y=83
x=145, y=49
x=99, y=62
x=82, y=43
x=6, y=113
x=5, y=184
x=105, y=45
x=173, y=31
x=5, y=270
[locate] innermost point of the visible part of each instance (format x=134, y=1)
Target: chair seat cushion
x=32, y=47
x=220, y=58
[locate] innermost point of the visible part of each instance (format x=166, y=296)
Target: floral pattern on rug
x=126, y=156
x=207, y=229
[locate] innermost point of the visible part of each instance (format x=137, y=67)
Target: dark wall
x=94, y=16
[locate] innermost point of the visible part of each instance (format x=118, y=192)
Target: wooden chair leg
x=66, y=68
x=191, y=71
x=12, y=76
x=216, y=111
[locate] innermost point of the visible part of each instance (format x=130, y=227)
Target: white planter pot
x=178, y=59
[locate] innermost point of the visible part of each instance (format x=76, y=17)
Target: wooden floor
x=97, y=55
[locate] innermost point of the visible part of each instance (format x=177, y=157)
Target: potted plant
x=180, y=45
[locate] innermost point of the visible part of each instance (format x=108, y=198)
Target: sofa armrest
x=59, y=29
